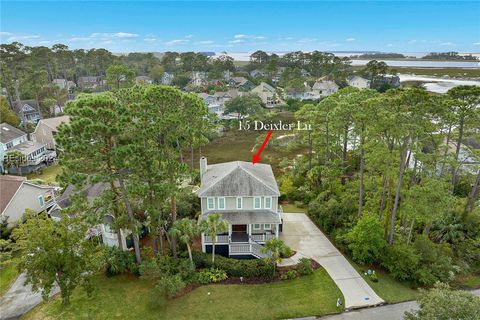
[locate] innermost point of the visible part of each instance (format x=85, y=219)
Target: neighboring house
x=227, y=75
x=143, y=79
x=18, y=194
x=63, y=84
x=207, y=98
x=257, y=73
x=90, y=82
x=246, y=196
x=28, y=110
x=267, y=93
x=167, y=78
x=47, y=129
x=390, y=81
x=242, y=83
x=9, y=138
x=109, y=236
x=358, y=82
x=324, y=88
x=35, y=154
x=202, y=75
x=305, y=95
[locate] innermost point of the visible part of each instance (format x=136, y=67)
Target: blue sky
x=236, y=26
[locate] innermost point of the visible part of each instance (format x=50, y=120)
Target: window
x=256, y=226
x=221, y=203
x=268, y=202
x=210, y=203
x=9, y=145
x=41, y=201
x=239, y=202
x=257, y=204
x=267, y=226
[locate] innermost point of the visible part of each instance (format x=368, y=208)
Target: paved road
x=302, y=235
x=390, y=312
x=19, y=299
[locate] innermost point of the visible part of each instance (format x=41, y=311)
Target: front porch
x=243, y=239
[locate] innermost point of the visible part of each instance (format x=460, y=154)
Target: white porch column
x=203, y=242
x=229, y=232
x=276, y=230
x=249, y=231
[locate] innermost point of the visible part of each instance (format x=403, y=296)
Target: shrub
x=291, y=274
x=167, y=265
x=118, y=261
x=366, y=239
x=374, y=277
x=435, y=261
x=211, y=275
x=304, y=267
x=286, y=252
x=401, y=261
x=234, y=267
x=167, y=287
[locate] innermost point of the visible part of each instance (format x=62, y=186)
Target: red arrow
x=256, y=156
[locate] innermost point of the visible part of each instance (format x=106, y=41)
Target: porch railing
x=240, y=248
x=220, y=239
x=262, y=237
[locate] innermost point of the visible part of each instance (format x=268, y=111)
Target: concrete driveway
x=20, y=299
x=303, y=236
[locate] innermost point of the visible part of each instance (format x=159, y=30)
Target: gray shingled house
x=246, y=196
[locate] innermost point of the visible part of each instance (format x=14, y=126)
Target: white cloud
x=188, y=36
x=248, y=36
x=105, y=35
x=307, y=40
x=350, y=39
x=447, y=44
x=476, y=43
x=205, y=42
x=150, y=39
x=236, y=41
x=4, y=33
x=176, y=41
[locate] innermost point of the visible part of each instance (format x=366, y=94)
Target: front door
x=239, y=228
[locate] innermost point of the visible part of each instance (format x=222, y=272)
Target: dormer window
x=268, y=202
x=239, y=202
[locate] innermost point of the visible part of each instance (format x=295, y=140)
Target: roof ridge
x=221, y=178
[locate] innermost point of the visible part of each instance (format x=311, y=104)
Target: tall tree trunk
x=457, y=152
x=403, y=163
x=472, y=196
x=410, y=231
x=173, y=201
x=131, y=218
x=382, y=199
x=445, y=153
x=344, y=156
x=360, y=187
x=190, y=253
x=214, y=239
x=309, y=150
x=119, y=239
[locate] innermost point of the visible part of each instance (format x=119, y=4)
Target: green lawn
x=241, y=145
x=292, y=208
x=49, y=174
x=126, y=297
x=8, y=274
x=389, y=289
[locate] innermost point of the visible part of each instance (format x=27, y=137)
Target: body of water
x=438, y=85
x=245, y=56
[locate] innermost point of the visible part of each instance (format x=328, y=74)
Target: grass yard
x=8, y=274
x=126, y=297
x=241, y=145
x=292, y=208
x=389, y=289
x=49, y=174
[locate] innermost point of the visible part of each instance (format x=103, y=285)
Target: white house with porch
x=246, y=196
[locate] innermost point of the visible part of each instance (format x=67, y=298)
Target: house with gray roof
x=246, y=196
x=27, y=110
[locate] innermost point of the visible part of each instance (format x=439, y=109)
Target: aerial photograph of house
x=261, y=160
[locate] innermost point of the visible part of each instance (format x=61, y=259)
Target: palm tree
x=212, y=226
x=185, y=231
x=15, y=159
x=274, y=249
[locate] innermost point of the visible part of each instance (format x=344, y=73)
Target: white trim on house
x=255, y=202
x=269, y=203
x=221, y=199
x=267, y=228
x=255, y=226
x=213, y=203
x=239, y=202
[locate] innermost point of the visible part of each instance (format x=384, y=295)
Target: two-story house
x=18, y=195
x=324, y=88
x=358, y=82
x=246, y=196
x=46, y=130
x=27, y=110
x=167, y=78
x=34, y=153
x=267, y=93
